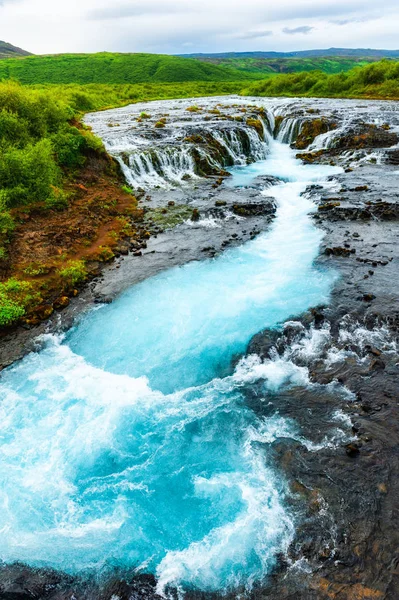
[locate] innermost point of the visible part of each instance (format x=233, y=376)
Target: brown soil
x=101, y=219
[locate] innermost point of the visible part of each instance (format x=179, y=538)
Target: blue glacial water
x=129, y=441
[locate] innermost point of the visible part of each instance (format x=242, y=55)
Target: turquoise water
x=129, y=442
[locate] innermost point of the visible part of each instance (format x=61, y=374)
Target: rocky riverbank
x=344, y=489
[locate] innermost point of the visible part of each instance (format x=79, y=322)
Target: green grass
x=376, y=80
x=109, y=68
x=91, y=97
x=267, y=66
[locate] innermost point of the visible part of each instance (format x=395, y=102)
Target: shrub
x=58, y=199
x=10, y=311
x=15, y=298
x=74, y=273
x=27, y=175
x=69, y=145
x=13, y=129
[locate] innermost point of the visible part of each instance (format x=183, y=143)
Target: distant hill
x=10, y=51
x=115, y=69
x=264, y=67
x=347, y=52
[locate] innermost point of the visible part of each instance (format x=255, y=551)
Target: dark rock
x=352, y=449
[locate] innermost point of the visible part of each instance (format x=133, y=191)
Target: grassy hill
x=267, y=66
x=329, y=52
x=115, y=69
x=10, y=51
x=376, y=80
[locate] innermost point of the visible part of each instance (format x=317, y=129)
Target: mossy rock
x=310, y=130
x=256, y=124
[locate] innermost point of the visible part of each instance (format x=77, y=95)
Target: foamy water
x=130, y=443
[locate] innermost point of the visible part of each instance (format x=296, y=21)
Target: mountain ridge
x=345, y=52
x=7, y=50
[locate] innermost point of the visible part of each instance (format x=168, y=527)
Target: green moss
x=256, y=124
x=169, y=216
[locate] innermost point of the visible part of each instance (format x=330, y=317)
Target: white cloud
x=51, y=26
x=303, y=29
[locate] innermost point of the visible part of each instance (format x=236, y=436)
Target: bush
x=74, y=273
x=15, y=297
x=10, y=311
x=13, y=129
x=69, y=145
x=26, y=175
x=58, y=199
x=377, y=80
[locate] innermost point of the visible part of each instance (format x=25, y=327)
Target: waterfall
x=170, y=165
x=289, y=129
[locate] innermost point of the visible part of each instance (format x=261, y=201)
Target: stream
x=128, y=441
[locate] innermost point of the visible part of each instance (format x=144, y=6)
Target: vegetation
x=376, y=80
x=266, y=67
x=168, y=216
x=109, y=68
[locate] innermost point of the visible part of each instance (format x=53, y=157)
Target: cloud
x=166, y=26
x=252, y=35
x=256, y=9
x=136, y=9
x=342, y=22
x=304, y=29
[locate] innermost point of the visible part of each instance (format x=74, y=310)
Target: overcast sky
x=183, y=26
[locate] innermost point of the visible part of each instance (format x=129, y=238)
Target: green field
x=376, y=80
x=267, y=66
x=108, y=68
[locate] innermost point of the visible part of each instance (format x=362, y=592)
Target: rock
x=377, y=365
x=339, y=251
x=61, y=303
x=195, y=216
x=352, y=449
x=373, y=351
x=250, y=209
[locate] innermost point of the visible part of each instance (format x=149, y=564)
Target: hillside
x=10, y=51
x=376, y=80
x=265, y=66
x=114, y=69
x=343, y=52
